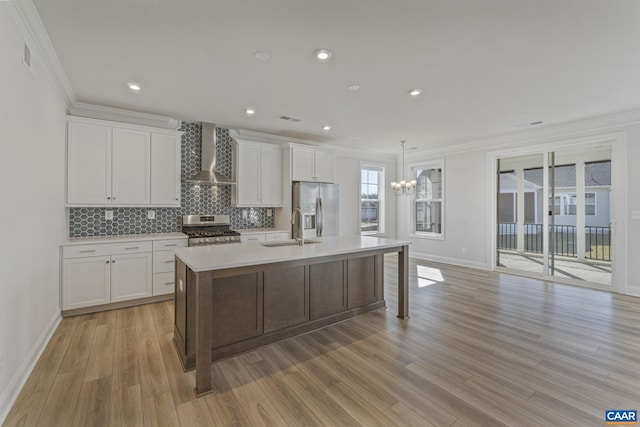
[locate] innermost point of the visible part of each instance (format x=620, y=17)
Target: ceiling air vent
x=290, y=119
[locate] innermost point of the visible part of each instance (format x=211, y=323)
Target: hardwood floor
x=480, y=349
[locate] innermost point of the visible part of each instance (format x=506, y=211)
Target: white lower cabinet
x=164, y=265
x=252, y=238
x=263, y=237
x=104, y=273
x=270, y=237
x=130, y=276
x=87, y=282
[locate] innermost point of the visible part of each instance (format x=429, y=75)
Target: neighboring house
x=597, y=195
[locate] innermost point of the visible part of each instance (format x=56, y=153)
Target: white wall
x=468, y=218
x=466, y=203
x=348, y=176
x=32, y=136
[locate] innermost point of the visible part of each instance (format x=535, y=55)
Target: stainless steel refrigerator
x=319, y=204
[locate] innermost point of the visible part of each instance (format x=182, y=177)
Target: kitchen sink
x=288, y=243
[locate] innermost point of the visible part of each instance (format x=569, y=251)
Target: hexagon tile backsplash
x=196, y=199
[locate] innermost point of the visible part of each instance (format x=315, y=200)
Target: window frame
x=433, y=164
x=380, y=168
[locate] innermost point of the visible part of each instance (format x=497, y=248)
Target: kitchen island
x=237, y=297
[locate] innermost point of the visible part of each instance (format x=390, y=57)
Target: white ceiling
x=485, y=67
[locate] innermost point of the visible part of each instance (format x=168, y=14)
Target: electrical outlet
x=108, y=215
x=151, y=214
x=464, y=250
x=269, y=213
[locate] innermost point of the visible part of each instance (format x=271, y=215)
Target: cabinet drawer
x=277, y=236
x=163, y=283
x=252, y=238
x=165, y=245
x=163, y=262
x=80, y=251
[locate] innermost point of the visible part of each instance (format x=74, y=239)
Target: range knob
x=228, y=239
x=201, y=241
x=206, y=240
x=218, y=239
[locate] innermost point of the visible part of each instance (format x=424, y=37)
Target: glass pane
x=363, y=191
x=369, y=215
x=429, y=183
x=429, y=217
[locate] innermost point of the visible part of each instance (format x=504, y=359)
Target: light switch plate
x=108, y=215
x=635, y=214
x=151, y=214
x=269, y=213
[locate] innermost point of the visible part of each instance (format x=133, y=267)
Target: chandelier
x=404, y=187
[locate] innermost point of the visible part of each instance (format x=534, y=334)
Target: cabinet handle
x=169, y=283
x=173, y=244
x=107, y=262
x=177, y=199
x=108, y=198
x=113, y=198
x=113, y=261
x=88, y=250
x=168, y=262
x=134, y=247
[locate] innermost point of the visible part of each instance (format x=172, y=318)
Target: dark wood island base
x=223, y=312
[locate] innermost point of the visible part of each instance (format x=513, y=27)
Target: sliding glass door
x=553, y=214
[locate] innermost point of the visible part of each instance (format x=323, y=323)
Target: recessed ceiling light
x=326, y=127
x=250, y=111
x=322, y=54
x=134, y=86
x=415, y=92
x=262, y=56
x=353, y=87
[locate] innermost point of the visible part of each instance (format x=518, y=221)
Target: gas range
x=206, y=230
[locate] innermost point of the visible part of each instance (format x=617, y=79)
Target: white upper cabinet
x=165, y=169
x=115, y=164
x=308, y=164
x=323, y=166
x=130, y=171
x=271, y=175
x=258, y=175
x=88, y=164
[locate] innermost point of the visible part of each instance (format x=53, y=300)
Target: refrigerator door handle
x=320, y=218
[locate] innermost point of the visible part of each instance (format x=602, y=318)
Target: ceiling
x=485, y=68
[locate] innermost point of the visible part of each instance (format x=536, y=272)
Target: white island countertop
x=219, y=257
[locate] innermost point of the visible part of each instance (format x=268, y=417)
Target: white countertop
x=123, y=238
x=219, y=257
x=259, y=230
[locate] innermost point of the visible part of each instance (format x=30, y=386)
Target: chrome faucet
x=300, y=228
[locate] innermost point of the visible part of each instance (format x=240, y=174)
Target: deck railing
x=597, y=240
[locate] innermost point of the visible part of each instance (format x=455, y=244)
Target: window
x=371, y=199
x=428, y=212
x=565, y=204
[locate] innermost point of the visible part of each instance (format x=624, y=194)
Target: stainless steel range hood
x=208, y=174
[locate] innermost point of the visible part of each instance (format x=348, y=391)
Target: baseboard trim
x=10, y=394
x=633, y=291
x=447, y=260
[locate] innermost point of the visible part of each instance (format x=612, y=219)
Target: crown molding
x=247, y=135
x=546, y=134
x=26, y=17
x=117, y=115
